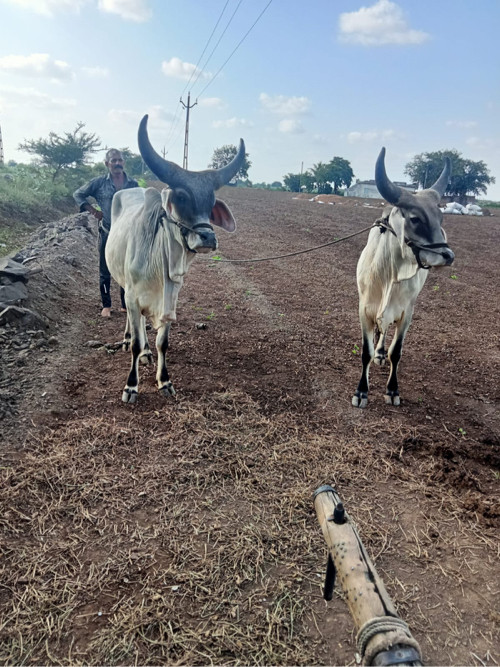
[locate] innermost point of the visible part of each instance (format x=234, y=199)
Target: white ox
x=392, y=269
x=153, y=240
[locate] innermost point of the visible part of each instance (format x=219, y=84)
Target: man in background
x=102, y=189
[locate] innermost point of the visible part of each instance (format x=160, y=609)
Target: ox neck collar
x=416, y=248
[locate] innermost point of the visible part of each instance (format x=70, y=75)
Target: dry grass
x=198, y=543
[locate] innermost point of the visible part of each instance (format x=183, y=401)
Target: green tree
x=467, y=176
x=224, y=155
x=321, y=174
x=135, y=165
x=340, y=173
x=307, y=181
x=72, y=149
x=292, y=182
x=299, y=182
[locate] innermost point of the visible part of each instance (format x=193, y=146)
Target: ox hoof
x=126, y=345
x=167, y=390
x=392, y=398
x=360, y=400
x=380, y=359
x=129, y=395
x=146, y=359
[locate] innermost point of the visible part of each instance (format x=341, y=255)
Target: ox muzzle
x=199, y=237
x=431, y=254
x=434, y=254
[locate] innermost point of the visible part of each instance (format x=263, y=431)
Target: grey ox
x=153, y=240
x=392, y=269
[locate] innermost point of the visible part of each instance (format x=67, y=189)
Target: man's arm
x=82, y=194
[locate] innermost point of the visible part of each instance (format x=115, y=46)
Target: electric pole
x=186, y=134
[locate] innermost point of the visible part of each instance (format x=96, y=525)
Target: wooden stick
x=367, y=598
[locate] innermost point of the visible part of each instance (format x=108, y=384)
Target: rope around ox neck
x=290, y=254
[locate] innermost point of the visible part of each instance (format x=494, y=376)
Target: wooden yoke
x=383, y=638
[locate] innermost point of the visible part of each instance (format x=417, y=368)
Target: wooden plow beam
x=383, y=638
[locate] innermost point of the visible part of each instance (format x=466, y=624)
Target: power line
x=175, y=122
x=173, y=127
x=206, y=46
x=235, y=49
x=218, y=42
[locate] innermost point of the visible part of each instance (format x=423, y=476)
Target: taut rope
x=290, y=254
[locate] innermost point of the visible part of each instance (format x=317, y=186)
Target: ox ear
x=222, y=216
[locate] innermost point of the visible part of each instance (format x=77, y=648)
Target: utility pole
x=1, y=147
x=186, y=134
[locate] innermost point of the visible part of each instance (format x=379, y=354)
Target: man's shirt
x=102, y=189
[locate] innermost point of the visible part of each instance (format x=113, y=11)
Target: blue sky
x=310, y=81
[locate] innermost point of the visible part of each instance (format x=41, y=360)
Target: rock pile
x=30, y=313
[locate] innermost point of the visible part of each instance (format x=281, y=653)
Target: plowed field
x=183, y=531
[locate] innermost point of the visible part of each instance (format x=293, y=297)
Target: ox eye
x=417, y=223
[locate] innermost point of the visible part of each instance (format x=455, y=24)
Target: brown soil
x=183, y=531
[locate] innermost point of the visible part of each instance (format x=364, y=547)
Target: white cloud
x=370, y=136
x=474, y=141
x=382, y=23
x=158, y=116
x=130, y=10
x=39, y=65
x=96, y=72
x=291, y=126
x=48, y=7
x=285, y=106
x=212, y=102
x=180, y=70
x=461, y=123
x=320, y=139
x=31, y=98
x=232, y=122
x=124, y=116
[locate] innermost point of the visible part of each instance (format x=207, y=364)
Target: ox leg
x=360, y=398
x=145, y=357
x=137, y=331
x=380, y=351
x=126, y=336
x=394, y=355
x=164, y=384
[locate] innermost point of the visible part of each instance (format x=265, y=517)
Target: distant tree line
x=67, y=159
x=323, y=178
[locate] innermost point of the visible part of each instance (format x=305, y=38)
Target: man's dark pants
x=104, y=274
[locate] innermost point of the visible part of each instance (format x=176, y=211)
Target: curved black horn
x=442, y=182
x=389, y=191
x=223, y=175
x=166, y=171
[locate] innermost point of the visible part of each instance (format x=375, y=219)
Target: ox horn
x=166, y=171
x=390, y=192
x=442, y=182
x=173, y=175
